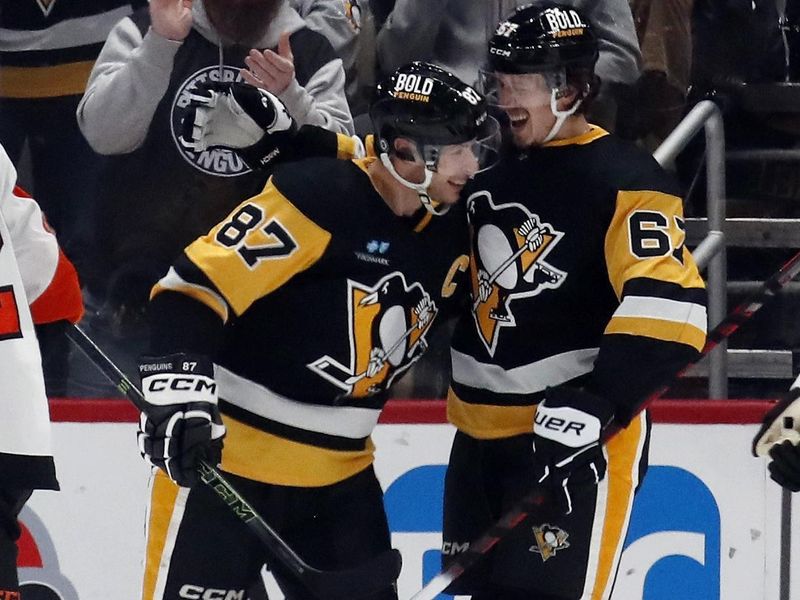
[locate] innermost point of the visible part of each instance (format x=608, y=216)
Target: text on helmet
x=410, y=86
x=564, y=22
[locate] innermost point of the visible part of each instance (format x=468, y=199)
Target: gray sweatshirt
x=133, y=72
x=454, y=34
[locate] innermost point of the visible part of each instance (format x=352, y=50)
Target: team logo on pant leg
x=509, y=245
x=388, y=324
x=549, y=540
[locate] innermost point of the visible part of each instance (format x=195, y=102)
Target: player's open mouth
x=518, y=117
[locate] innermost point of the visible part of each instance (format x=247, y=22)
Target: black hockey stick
x=357, y=582
x=538, y=497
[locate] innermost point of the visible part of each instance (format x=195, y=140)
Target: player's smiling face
x=526, y=101
x=456, y=166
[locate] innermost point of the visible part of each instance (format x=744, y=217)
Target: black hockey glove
x=779, y=438
x=181, y=425
x=567, y=447
x=250, y=121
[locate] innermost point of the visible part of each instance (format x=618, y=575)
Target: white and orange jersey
x=37, y=284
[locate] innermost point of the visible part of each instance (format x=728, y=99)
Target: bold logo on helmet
x=410, y=86
x=213, y=161
x=509, y=245
x=549, y=540
x=388, y=323
x=564, y=23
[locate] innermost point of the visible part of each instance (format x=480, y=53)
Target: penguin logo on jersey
x=220, y=162
x=388, y=325
x=549, y=540
x=509, y=245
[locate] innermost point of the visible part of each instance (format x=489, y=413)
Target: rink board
x=705, y=526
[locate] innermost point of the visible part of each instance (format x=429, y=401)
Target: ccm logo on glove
x=181, y=384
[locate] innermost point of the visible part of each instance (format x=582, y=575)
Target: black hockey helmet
x=543, y=37
x=431, y=108
x=426, y=104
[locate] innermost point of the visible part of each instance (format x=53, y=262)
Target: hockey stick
x=538, y=497
x=357, y=582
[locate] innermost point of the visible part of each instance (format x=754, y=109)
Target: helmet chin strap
x=433, y=207
x=560, y=115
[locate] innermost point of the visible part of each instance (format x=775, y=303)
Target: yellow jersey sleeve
x=260, y=246
x=661, y=292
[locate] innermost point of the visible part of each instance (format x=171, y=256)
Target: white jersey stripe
x=663, y=309
x=343, y=421
x=525, y=379
x=92, y=29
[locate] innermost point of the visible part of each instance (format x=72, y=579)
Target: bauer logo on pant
x=549, y=540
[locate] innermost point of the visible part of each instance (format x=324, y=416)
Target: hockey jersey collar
x=595, y=132
x=420, y=219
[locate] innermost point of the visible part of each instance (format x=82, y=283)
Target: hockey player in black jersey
x=281, y=330
x=584, y=301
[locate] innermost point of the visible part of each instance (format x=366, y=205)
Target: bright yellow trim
x=489, y=422
x=623, y=463
x=669, y=331
x=255, y=454
x=201, y=295
x=623, y=265
x=162, y=505
x=240, y=284
x=45, y=82
x=587, y=137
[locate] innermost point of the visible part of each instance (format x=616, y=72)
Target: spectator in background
x=454, y=35
x=341, y=22
x=658, y=101
x=47, y=50
x=155, y=195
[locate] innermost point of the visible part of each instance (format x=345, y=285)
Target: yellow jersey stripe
x=255, y=454
x=668, y=331
x=165, y=510
x=301, y=244
x=588, y=137
x=624, y=453
x=45, y=82
x=628, y=245
x=489, y=422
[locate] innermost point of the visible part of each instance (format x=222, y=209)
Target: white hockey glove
x=250, y=121
x=779, y=438
x=182, y=424
x=568, y=453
